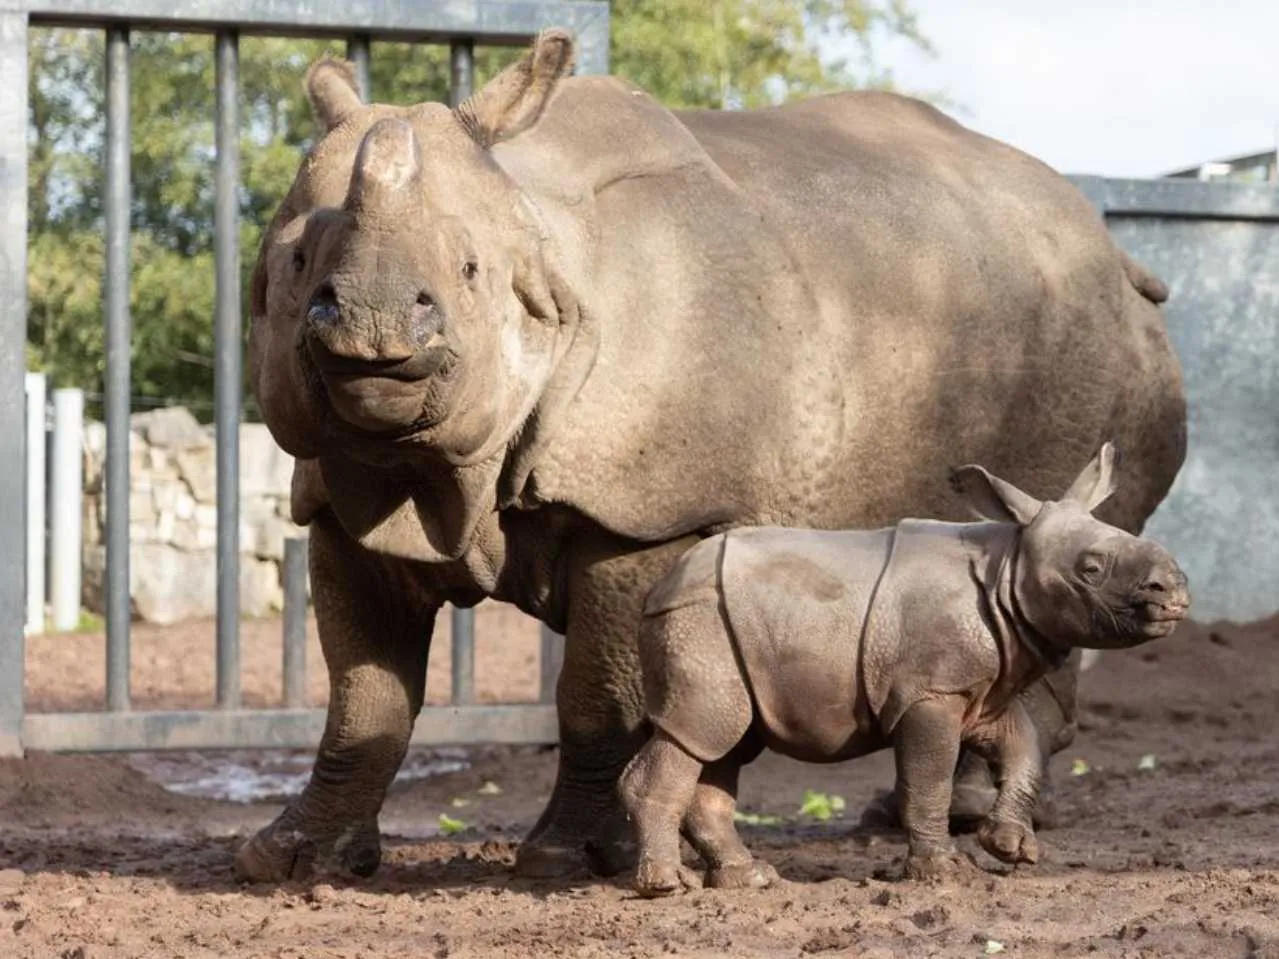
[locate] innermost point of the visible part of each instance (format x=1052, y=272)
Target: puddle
x=268, y=775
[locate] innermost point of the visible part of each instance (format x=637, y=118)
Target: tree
x=715, y=53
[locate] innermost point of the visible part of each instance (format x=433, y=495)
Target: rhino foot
x=936, y=866
x=1010, y=842
x=654, y=880
x=286, y=850
x=560, y=852
x=746, y=875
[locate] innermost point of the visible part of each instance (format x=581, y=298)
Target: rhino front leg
x=375, y=621
x=600, y=703
x=1013, y=745
x=926, y=743
x=656, y=789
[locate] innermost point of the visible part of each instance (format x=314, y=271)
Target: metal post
x=463, y=656
x=67, y=505
x=37, y=423
x=13, y=338
x=357, y=51
x=461, y=71
x=552, y=662
x=228, y=373
x=116, y=388
x=294, y=572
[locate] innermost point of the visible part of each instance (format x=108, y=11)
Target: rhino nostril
x=323, y=310
x=424, y=320
x=1155, y=586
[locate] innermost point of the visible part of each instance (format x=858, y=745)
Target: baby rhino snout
x=1164, y=592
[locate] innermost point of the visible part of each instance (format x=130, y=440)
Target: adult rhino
x=535, y=347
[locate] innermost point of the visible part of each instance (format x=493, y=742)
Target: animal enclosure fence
x=461, y=24
x=1216, y=244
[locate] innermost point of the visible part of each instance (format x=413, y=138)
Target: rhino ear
x=333, y=90
x=992, y=498
x=1096, y=483
x=513, y=100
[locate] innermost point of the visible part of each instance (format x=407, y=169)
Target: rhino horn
x=387, y=163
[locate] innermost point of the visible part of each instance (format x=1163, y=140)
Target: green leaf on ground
x=450, y=826
x=1079, y=767
x=821, y=806
x=756, y=819
x=490, y=788
x=1148, y=761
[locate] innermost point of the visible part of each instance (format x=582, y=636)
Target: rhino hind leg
x=374, y=622
x=709, y=827
x=657, y=788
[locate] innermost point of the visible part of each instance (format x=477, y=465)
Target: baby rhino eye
x=1091, y=566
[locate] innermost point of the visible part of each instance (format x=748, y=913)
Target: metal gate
x=459, y=23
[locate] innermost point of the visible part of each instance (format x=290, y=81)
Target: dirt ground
x=1167, y=846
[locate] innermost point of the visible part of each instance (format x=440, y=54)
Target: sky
x=1125, y=88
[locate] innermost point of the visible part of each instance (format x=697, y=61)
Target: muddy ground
x=1168, y=844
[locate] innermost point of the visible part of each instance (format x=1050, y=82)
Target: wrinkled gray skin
x=830, y=645
x=536, y=347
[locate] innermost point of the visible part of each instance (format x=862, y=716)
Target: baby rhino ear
x=992, y=498
x=1096, y=483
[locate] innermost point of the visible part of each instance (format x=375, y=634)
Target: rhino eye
x=299, y=261
x=469, y=269
x=1092, y=566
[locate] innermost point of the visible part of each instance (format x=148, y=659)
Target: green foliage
x=714, y=53
x=821, y=806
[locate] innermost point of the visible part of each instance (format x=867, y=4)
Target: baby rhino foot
x=745, y=875
x=653, y=880
x=1008, y=841
x=938, y=865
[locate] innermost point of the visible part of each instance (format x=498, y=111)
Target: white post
x=37, y=425
x=66, y=505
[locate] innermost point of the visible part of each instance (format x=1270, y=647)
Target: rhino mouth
x=387, y=398
x=1157, y=620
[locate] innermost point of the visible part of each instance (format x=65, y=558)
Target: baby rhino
x=827, y=645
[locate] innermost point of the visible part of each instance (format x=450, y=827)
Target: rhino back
x=787, y=298
x=796, y=601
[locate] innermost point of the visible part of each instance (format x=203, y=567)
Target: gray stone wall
x=173, y=517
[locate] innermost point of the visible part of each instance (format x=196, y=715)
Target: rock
x=174, y=427
x=265, y=469
x=198, y=466
x=260, y=591
x=169, y=585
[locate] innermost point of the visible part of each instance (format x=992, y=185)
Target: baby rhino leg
x=656, y=789
x=709, y=828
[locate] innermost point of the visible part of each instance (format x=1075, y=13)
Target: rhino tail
x=1145, y=282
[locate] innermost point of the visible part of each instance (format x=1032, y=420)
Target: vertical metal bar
x=13, y=338
x=116, y=387
x=67, y=504
x=552, y=662
x=357, y=51
x=463, y=656
x=461, y=71
x=295, y=569
x=37, y=417
x=228, y=373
